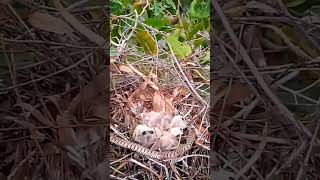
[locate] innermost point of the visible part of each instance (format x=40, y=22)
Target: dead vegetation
x=164, y=91
x=265, y=85
x=47, y=56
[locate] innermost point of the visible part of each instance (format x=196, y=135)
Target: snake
x=96, y=89
x=163, y=155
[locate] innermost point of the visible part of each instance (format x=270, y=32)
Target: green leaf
x=200, y=8
x=157, y=8
x=198, y=42
x=157, y=22
x=179, y=49
x=116, y=7
x=171, y=3
x=206, y=59
x=185, y=5
x=198, y=26
x=146, y=41
x=137, y=7
x=126, y=3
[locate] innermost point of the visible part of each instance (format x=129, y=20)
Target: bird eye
x=143, y=133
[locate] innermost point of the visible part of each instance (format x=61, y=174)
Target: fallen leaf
x=75, y=156
x=100, y=110
x=163, y=103
x=90, y=90
x=56, y=100
x=67, y=136
x=37, y=114
x=158, y=103
x=50, y=23
x=180, y=92
x=141, y=93
x=74, y=22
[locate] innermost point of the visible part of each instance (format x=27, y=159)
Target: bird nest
x=160, y=90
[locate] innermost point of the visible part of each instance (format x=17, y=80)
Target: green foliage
x=180, y=50
x=146, y=41
x=206, y=59
x=158, y=23
x=120, y=7
x=180, y=25
x=116, y=7
x=157, y=8
x=160, y=8
x=171, y=4
x=200, y=8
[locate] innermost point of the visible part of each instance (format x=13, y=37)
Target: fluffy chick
x=177, y=122
x=168, y=141
x=166, y=119
x=154, y=119
x=175, y=132
x=144, y=135
x=151, y=119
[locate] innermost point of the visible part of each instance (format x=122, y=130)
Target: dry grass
x=265, y=105
x=41, y=71
x=168, y=79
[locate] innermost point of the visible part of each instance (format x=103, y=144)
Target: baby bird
x=157, y=119
x=151, y=118
x=166, y=119
x=144, y=135
x=175, y=132
x=168, y=141
x=160, y=130
x=177, y=122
